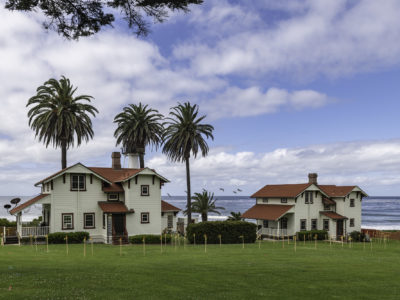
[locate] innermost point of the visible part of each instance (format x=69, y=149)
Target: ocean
x=377, y=212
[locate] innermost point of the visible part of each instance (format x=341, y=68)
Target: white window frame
x=265, y=224
x=305, y=224
x=316, y=224
x=67, y=225
x=110, y=198
x=148, y=190
x=324, y=222
x=78, y=188
x=352, y=222
x=170, y=221
x=145, y=218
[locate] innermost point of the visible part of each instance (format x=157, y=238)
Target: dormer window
x=265, y=200
x=283, y=200
x=145, y=190
x=113, y=197
x=78, y=182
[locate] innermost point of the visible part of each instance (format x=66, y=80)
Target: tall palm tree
x=204, y=204
x=57, y=117
x=184, y=135
x=138, y=126
x=235, y=216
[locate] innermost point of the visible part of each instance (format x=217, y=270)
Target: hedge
x=310, y=235
x=231, y=232
x=73, y=237
x=357, y=236
x=149, y=238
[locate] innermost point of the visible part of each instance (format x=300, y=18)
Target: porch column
x=279, y=229
x=19, y=223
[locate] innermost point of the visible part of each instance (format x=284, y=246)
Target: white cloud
x=330, y=38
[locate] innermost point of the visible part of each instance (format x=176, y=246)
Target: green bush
x=310, y=235
x=231, y=232
x=149, y=238
x=7, y=223
x=73, y=237
x=27, y=240
x=357, y=236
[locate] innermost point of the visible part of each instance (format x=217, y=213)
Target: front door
x=118, y=224
x=339, y=228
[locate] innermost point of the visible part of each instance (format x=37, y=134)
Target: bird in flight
x=169, y=195
x=222, y=189
x=239, y=190
x=235, y=192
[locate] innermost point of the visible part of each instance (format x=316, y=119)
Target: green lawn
x=229, y=272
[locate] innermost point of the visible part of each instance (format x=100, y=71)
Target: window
x=170, y=222
x=352, y=203
x=47, y=186
x=104, y=220
x=88, y=220
x=67, y=221
x=265, y=200
x=351, y=222
x=265, y=223
x=303, y=224
x=327, y=207
x=313, y=224
x=78, y=182
x=145, y=190
x=113, y=197
x=283, y=200
x=309, y=197
x=145, y=217
x=326, y=224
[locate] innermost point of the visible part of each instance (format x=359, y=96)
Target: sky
x=291, y=87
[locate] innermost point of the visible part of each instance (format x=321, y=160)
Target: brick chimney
x=116, y=160
x=312, y=178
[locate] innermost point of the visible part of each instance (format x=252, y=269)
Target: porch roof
x=114, y=207
x=27, y=203
x=328, y=201
x=165, y=207
x=270, y=212
x=113, y=188
x=333, y=215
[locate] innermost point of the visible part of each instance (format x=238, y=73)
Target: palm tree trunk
x=63, y=154
x=189, y=196
x=204, y=217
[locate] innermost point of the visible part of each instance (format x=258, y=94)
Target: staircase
x=124, y=239
x=11, y=240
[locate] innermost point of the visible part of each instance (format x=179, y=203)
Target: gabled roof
x=63, y=171
x=115, y=175
x=270, y=212
x=27, y=203
x=333, y=215
x=165, y=207
x=337, y=191
x=281, y=190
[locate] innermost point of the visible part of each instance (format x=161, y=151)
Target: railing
x=34, y=231
x=277, y=232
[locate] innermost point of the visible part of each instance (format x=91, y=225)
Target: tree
x=184, y=134
x=235, y=216
x=138, y=126
x=204, y=204
x=57, y=117
x=74, y=19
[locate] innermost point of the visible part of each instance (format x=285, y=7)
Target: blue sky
x=291, y=87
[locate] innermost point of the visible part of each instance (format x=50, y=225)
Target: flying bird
x=222, y=189
x=235, y=192
x=239, y=190
x=169, y=195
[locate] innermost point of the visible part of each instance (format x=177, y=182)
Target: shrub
x=149, y=238
x=73, y=237
x=357, y=236
x=230, y=231
x=310, y=235
x=27, y=240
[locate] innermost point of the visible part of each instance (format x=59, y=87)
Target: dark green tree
x=74, y=19
x=235, y=216
x=138, y=127
x=58, y=118
x=204, y=204
x=185, y=135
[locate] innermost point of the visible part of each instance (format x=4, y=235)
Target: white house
x=284, y=209
x=109, y=203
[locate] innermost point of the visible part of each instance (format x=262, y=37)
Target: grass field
x=229, y=272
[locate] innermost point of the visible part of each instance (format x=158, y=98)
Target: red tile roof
x=281, y=190
x=336, y=191
x=333, y=215
x=165, y=206
x=328, y=201
x=114, y=207
x=115, y=175
x=27, y=203
x=266, y=211
x=113, y=188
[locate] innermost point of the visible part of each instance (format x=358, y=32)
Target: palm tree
x=235, y=216
x=204, y=204
x=57, y=117
x=138, y=126
x=184, y=135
